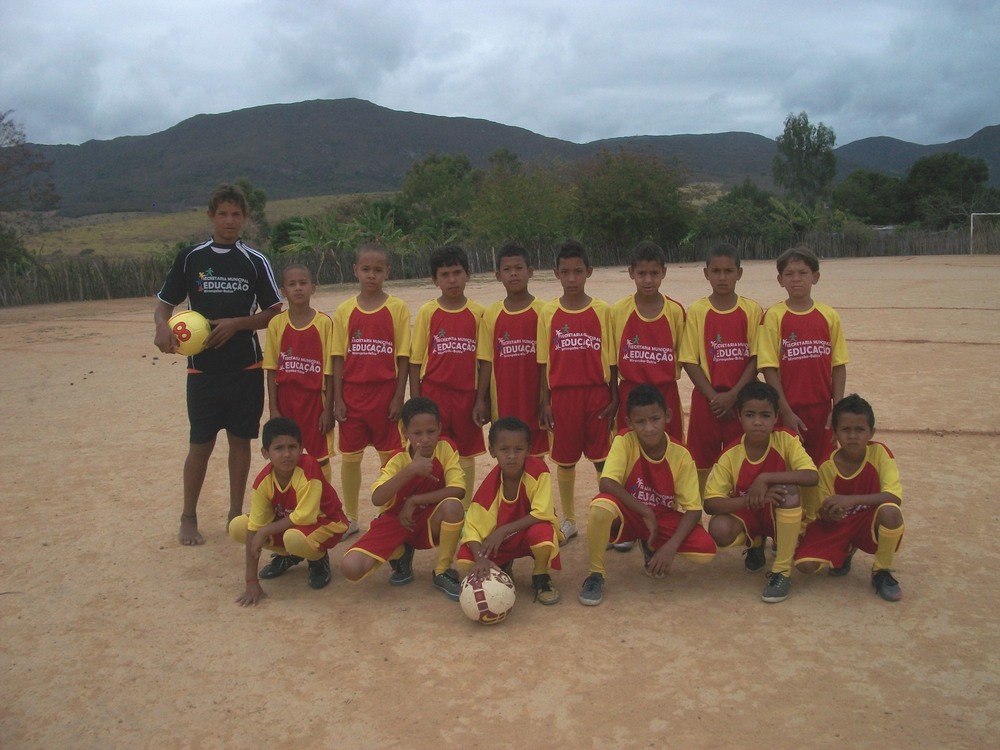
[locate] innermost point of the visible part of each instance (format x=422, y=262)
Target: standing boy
x=511, y=515
x=507, y=350
x=419, y=492
x=753, y=491
x=443, y=364
x=578, y=376
x=648, y=328
x=227, y=281
x=294, y=512
x=371, y=356
x=719, y=354
x=861, y=493
x=802, y=353
x=649, y=492
x=297, y=364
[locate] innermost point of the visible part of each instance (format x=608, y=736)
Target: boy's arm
x=481, y=412
x=544, y=399
x=611, y=409
x=835, y=507
x=414, y=379
x=699, y=379
x=788, y=417
x=761, y=490
x=253, y=591
x=722, y=404
x=272, y=393
x=164, y=339
x=662, y=559
x=335, y=394
x=402, y=375
x=326, y=419
x=839, y=378
x=609, y=486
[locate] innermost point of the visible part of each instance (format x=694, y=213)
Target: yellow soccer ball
x=191, y=329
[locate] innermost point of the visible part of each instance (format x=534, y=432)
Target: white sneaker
x=569, y=530
x=352, y=529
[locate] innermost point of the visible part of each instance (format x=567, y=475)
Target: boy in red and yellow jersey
x=719, y=354
x=649, y=492
x=294, y=512
x=297, y=365
x=511, y=515
x=648, y=330
x=371, y=355
x=578, y=374
x=419, y=491
x=507, y=350
x=443, y=364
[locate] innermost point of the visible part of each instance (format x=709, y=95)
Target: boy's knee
x=890, y=516
x=452, y=510
x=724, y=530
x=238, y=529
x=353, y=567
x=809, y=566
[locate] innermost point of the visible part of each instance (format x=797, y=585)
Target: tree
x=256, y=203
x=745, y=211
x=871, y=196
x=439, y=187
x=24, y=184
x=805, y=164
x=943, y=189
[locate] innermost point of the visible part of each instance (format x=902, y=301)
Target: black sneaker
x=402, y=568
x=319, y=571
x=886, y=586
x=753, y=559
x=278, y=565
x=447, y=582
x=844, y=569
x=592, y=592
x=541, y=584
x=508, y=569
x=777, y=589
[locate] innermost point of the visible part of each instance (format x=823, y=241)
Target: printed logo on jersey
x=368, y=346
x=643, y=354
x=564, y=340
x=793, y=349
x=648, y=496
x=209, y=283
x=728, y=351
x=442, y=343
x=289, y=362
x=508, y=347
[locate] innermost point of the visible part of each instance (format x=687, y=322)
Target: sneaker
x=448, y=583
x=623, y=546
x=508, y=569
x=402, y=568
x=278, y=565
x=352, y=529
x=886, y=586
x=753, y=559
x=319, y=572
x=592, y=592
x=844, y=569
x=569, y=530
x=777, y=589
x=542, y=586
x=647, y=555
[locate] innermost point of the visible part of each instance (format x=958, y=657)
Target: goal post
x=972, y=223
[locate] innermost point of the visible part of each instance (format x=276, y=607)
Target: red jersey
x=300, y=356
x=647, y=348
x=371, y=342
x=734, y=472
x=576, y=346
x=878, y=473
x=509, y=342
x=444, y=344
x=445, y=472
x=721, y=342
x=670, y=483
x=307, y=499
x=490, y=509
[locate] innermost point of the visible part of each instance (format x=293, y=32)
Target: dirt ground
x=113, y=635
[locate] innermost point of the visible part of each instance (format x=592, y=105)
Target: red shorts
x=386, y=533
x=831, y=542
x=577, y=429
x=456, y=417
x=323, y=536
x=367, y=420
x=306, y=407
x=675, y=425
x=758, y=523
x=708, y=435
x=817, y=438
x=519, y=544
x=632, y=527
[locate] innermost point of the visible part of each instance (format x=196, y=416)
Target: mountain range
x=337, y=146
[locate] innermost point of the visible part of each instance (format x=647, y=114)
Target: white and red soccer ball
x=487, y=599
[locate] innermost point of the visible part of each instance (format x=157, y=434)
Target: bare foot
x=189, y=536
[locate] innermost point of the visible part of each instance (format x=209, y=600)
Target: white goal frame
x=972, y=223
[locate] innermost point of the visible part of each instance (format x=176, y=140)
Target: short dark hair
x=449, y=255
x=371, y=247
x=853, y=404
x=297, y=267
x=799, y=252
x=509, y=424
x=757, y=391
x=226, y=193
x=647, y=250
x=644, y=395
x=572, y=249
x=510, y=250
x=418, y=405
x=723, y=250
x=276, y=428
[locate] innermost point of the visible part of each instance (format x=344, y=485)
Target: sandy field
x=113, y=635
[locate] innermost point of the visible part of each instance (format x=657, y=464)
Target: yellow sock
x=888, y=543
x=468, y=464
x=448, y=539
x=566, y=479
x=599, y=523
x=786, y=522
x=350, y=480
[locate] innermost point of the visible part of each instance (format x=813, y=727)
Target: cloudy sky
x=926, y=71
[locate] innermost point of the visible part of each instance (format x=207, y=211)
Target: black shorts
x=231, y=401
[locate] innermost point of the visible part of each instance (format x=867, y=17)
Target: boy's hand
x=165, y=340
x=406, y=514
x=722, y=405
x=835, y=507
x=395, y=407
x=251, y=595
x=761, y=493
x=482, y=567
x=545, y=415
x=661, y=561
x=340, y=411
x=792, y=422
x=777, y=495
x=609, y=411
x=223, y=329
x=326, y=421
x=481, y=412
x=491, y=544
x=421, y=466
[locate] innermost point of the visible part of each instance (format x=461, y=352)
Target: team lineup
x=790, y=459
